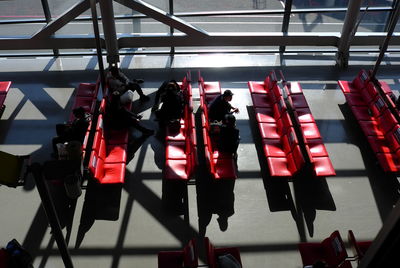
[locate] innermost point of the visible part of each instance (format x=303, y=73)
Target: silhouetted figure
x=228, y=140
x=118, y=117
x=220, y=106
x=172, y=100
x=74, y=131
x=118, y=81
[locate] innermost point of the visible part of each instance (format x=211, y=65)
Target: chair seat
x=273, y=148
x=224, y=168
x=181, y=136
x=175, y=169
x=299, y=101
x=317, y=148
x=257, y=87
x=116, y=136
x=86, y=90
x=389, y=162
x=355, y=99
x=115, y=154
x=304, y=115
x=378, y=144
x=323, y=167
x=113, y=173
x=4, y=87
x=310, y=131
x=371, y=128
x=260, y=100
x=212, y=87
x=264, y=115
x=269, y=131
x=361, y=113
x=175, y=150
x=278, y=167
x=294, y=88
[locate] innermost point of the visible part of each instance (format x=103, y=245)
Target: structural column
x=110, y=35
x=348, y=31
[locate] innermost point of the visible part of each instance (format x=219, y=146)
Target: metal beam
x=348, y=30
x=110, y=33
x=214, y=39
x=286, y=20
x=163, y=17
x=61, y=21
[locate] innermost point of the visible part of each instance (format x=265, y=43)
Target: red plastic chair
x=213, y=253
x=331, y=250
x=188, y=257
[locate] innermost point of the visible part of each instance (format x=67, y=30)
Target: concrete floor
x=126, y=227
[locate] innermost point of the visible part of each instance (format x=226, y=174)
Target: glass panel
x=373, y=22
x=317, y=22
x=20, y=29
x=12, y=9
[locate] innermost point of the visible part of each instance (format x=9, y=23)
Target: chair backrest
x=334, y=249
x=361, y=80
x=270, y=81
x=378, y=106
x=190, y=255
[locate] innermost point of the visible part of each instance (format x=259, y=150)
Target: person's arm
x=124, y=78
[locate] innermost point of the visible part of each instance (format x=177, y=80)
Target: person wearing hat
x=220, y=106
x=118, y=81
x=228, y=140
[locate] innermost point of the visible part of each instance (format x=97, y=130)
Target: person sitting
x=220, y=106
x=74, y=131
x=118, y=81
x=118, y=117
x=228, y=139
x=171, y=97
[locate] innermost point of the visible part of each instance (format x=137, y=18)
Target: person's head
x=114, y=70
x=230, y=120
x=79, y=112
x=172, y=87
x=227, y=95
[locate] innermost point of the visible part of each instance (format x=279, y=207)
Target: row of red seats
x=221, y=165
x=188, y=257
x=180, y=148
x=376, y=120
x=86, y=97
x=4, y=87
x=332, y=251
x=280, y=143
x=107, y=162
x=315, y=148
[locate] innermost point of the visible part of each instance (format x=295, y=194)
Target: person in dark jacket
x=118, y=81
x=74, y=131
x=228, y=140
x=118, y=117
x=220, y=106
x=172, y=99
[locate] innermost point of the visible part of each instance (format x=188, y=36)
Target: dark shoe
x=144, y=98
x=139, y=116
x=223, y=223
x=139, y=81
x=154, y=108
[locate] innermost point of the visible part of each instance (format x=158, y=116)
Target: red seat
x=361, y=113
x=304, y=115
x=323, y=166
x=387, y=121
x=281, y=166
x=188, y=257
x=371, y=128
x=378, y=144
x=213, y=253
x=348, y=87
x=264, y=115
x=270, y=81
x=389, y=162
x=378, y=106
x=106, y=173
x=175, y=150
x=331, y=250
x=212, y=88
x=317, y=148
x=310, y=131
x=298, y=101
x=355, y=99
x=271, y=130
x=293, y=88
x=273, y=148
x=256, y=87
x=361, y=80
x=4, y=87
x=86, y=90
x=260, y=100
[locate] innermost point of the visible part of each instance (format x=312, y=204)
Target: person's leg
x=145, y=131
x=135, y=87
